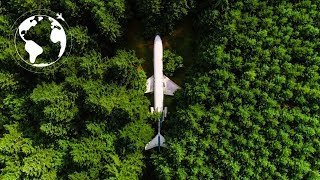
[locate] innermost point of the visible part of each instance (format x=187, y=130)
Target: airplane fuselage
x=158, y=74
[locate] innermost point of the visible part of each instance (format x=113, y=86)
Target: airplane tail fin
x=157, y=141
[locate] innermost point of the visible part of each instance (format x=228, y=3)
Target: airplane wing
x=150, y=84
x=169, y=86
x=155, y=142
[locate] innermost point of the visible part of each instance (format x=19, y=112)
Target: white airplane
x=59, y=16
x=160, y=85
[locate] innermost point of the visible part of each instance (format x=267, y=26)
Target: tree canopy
x=248, y=107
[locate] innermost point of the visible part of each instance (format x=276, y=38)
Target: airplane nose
x=157, y=39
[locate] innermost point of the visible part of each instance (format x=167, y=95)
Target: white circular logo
x=40, y=40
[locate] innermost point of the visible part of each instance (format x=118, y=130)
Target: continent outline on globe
x=34, y=50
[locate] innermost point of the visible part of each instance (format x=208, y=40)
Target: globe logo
x=40, y=40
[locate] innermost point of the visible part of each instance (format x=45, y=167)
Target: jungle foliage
x=248, y=108
x=250, y=105
x=171, y=62
x=161, y=16
x=87, y=119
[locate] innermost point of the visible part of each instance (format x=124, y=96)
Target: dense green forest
x=248, y=108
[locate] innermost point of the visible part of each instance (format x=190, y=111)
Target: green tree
x=171, y=62
x=160, y=17
x=247, y=109
x=85, y=120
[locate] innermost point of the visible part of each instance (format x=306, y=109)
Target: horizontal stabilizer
x=169, y=86
x=150, y=84
x=156, y=142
